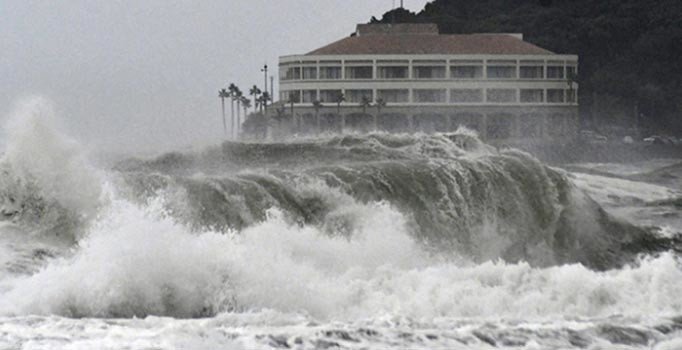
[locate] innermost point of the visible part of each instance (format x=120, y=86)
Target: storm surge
x=349, y=228
x=458, y=196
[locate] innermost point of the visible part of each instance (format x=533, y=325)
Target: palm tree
x=266, y=97
x=317, y=105
x=364, y=103
x=223, y=94
x=379, y=103
x=246, y=104
x=255, y=91
x=291, y=101
x=280, y=115
x=238, y=97
x=232, y=89
x=339, y=99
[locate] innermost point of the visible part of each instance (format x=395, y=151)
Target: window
x=330, y=72
x=466, y=72
x=430, y=72
x=293, y=96
x=501, y=95
x=429, y=96
x=356, y=96
x=555, y=95
x=501, y=72
x=571, y=96
x=364, y=72
x=531, y=95
x=397, y=72
x=394, y=96
x=309, y=96
x=309, y=73
x=329, y=96
x=531, y=72
x=282, y=72
x=466, y=95
x=293, y=73
x=571, y=72
x=555, y=72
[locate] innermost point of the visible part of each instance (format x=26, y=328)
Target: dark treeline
x=630, y=50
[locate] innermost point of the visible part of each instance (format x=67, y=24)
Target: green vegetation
x=630, y=50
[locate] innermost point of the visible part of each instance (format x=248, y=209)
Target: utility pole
x=265, y=75
x=272, y=87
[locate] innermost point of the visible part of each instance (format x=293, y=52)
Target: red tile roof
x=415, y=44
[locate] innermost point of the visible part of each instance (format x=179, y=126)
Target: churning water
x=373, y=241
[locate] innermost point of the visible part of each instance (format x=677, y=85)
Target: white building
x=502, y=86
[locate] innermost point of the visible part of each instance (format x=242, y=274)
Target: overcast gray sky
x=145, y=74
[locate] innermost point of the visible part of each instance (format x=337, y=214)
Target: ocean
x=342, y=242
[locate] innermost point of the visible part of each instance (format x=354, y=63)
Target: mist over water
x=372, y=241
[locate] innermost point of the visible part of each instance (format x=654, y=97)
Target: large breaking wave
x=457, y=195
x=343, y=228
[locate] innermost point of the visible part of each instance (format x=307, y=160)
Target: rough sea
x=344, y=242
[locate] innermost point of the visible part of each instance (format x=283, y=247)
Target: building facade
x=410, y=78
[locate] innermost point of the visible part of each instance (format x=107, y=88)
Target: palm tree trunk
x=317, y=120
x=376, y=119
x=222, y=102
x=238, y=119
x=232, y=116
x=246, y=112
